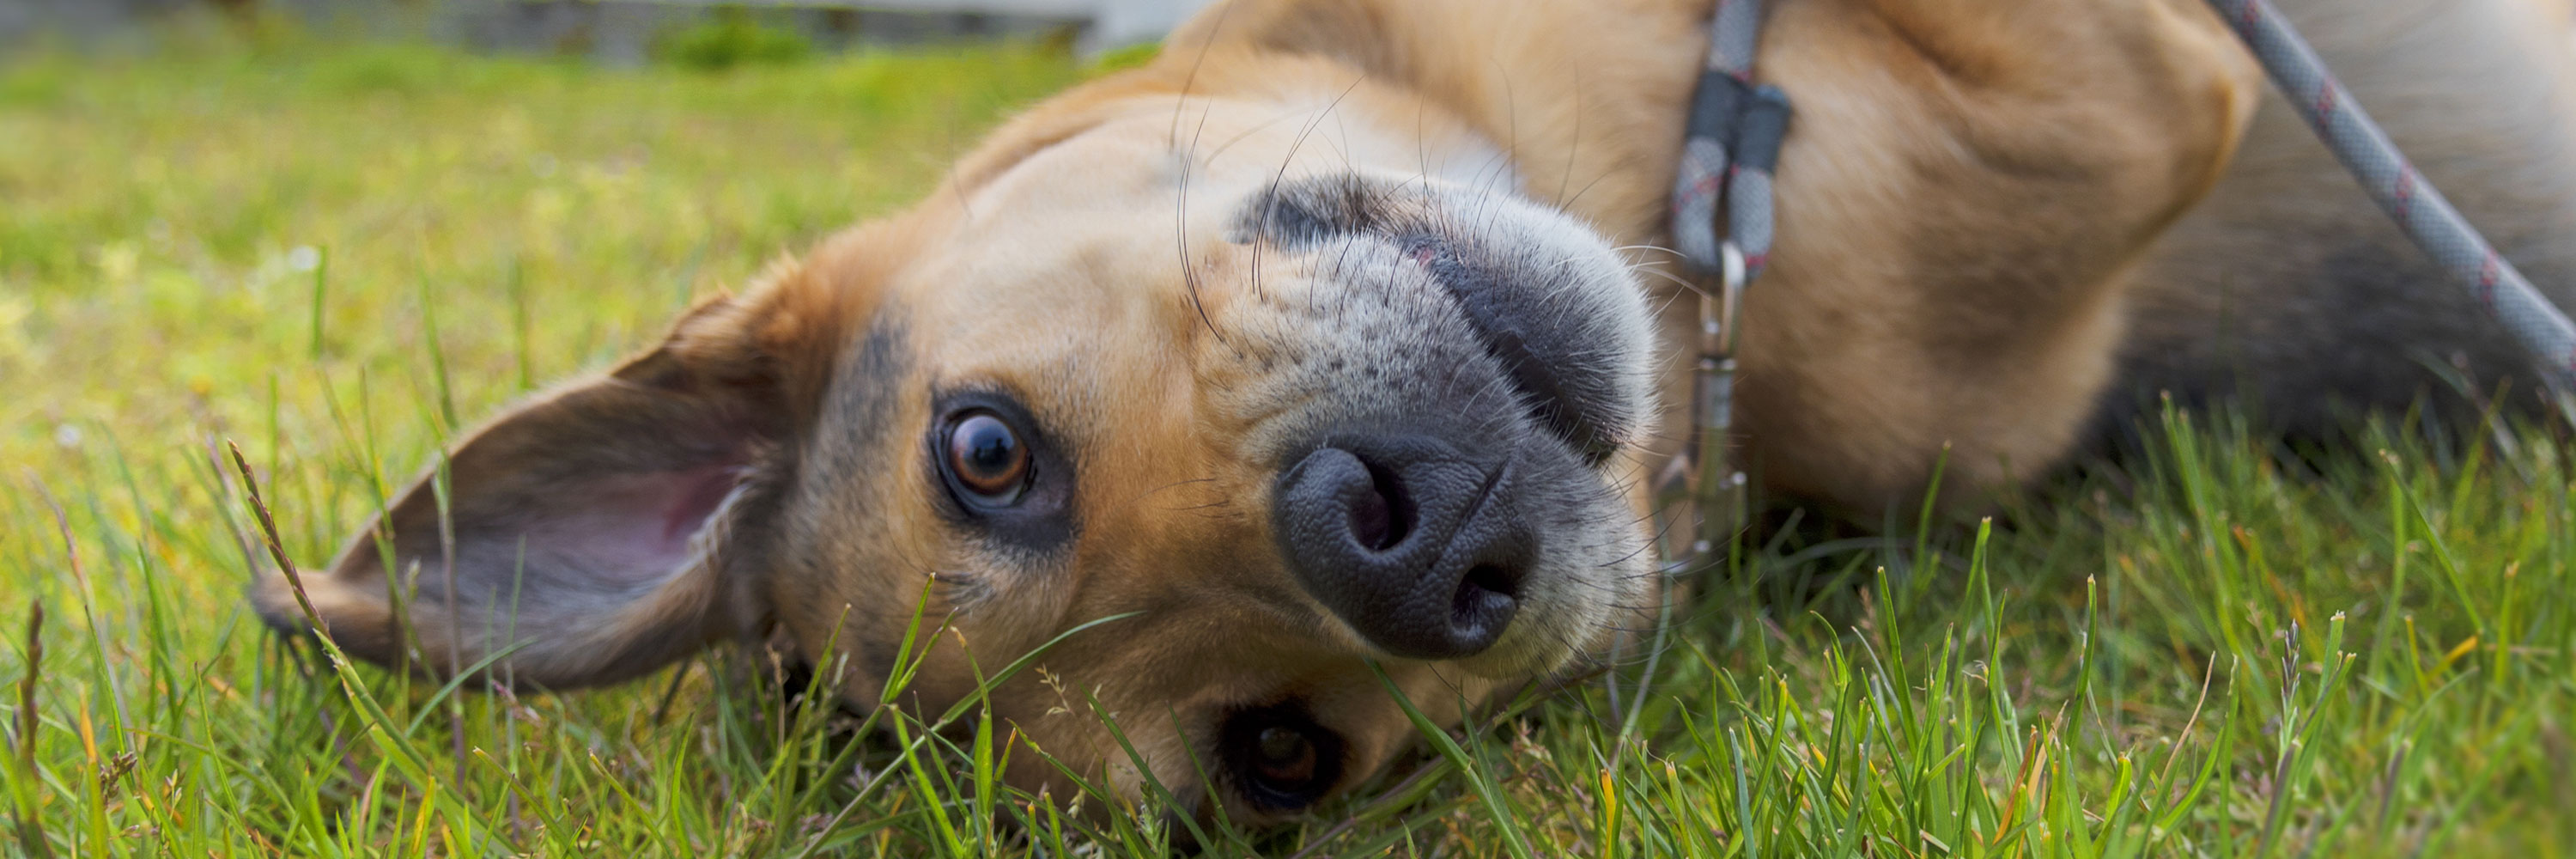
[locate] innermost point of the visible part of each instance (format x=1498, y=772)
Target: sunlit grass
x=332, y=255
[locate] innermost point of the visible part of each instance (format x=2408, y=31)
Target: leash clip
x=1719, y=501
x=1717, y=312
x=1705, y=475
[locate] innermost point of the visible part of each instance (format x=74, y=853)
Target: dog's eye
x=1281, y=759
x=986, y=459
x=1284, y=756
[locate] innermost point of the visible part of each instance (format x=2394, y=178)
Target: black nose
x=1414, y=545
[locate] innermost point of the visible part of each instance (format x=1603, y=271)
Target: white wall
x=1114, y=23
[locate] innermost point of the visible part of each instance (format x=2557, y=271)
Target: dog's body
x=2288, y=287
x=1285, y=350
x=1994, y=241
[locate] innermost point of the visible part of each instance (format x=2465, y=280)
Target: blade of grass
x=31, y=820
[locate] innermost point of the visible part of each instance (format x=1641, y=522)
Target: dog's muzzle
x=1442, y=502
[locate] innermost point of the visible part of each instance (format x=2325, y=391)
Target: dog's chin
x=1524, y=653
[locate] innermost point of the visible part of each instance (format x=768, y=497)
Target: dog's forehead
x=1169, y=163
x=1116, y=240
x=1059, y=314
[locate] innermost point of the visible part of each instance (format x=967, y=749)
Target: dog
x=1334, y=337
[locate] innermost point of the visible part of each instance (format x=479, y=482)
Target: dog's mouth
x=1574, y=399
x=1543, y=295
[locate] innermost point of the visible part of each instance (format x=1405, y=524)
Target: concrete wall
x=619, y=31
x=1111, y=22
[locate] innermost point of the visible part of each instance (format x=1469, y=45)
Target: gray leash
x=2391, y=180
x=1733, y=143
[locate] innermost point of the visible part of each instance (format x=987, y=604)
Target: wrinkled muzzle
x=1445, y=493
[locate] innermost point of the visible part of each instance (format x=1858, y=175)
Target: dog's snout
x=1413, y=544
x=1306, y=211
x=1543, y=348
x=1553, y=333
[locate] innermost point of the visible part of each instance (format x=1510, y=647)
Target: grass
x=332, y=254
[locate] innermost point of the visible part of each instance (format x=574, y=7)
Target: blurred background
x=225, y=212
x=628, y=31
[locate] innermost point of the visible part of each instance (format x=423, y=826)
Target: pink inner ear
x=634, y=529
x=703, y=490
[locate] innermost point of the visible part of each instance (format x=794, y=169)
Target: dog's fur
x=2001, y=221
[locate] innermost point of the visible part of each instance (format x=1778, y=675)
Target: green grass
x=243, y=238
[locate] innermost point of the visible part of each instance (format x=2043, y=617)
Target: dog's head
x=1279, y=410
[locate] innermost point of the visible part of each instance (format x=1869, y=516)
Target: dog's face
x=1272, y=411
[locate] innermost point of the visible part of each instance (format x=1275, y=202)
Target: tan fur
x=1984, y=204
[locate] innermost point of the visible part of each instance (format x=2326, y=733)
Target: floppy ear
x=603, y=529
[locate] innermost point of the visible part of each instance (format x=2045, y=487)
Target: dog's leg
x=2290, y=289
x=1965, y=188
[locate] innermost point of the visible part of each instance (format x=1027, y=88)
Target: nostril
x=1382, y=516
x=1419, y=549
x=1493, y=578
x=1489, y=592
x=1372, y=519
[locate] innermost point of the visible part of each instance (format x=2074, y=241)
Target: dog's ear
x=598, y=531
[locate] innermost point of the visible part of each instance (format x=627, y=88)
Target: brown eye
x=1285, y=757
x=1281, y=759
x=986, y=459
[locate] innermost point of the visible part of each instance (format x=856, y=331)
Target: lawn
x=334, y=254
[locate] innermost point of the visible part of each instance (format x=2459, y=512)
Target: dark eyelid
x=1043, y=520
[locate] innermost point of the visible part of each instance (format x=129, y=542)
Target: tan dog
x=1323, y=339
